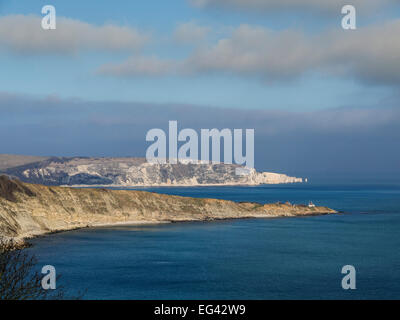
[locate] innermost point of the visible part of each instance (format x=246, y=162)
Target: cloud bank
x=23, y=34
x=348, y=141
x=285, y=5
x=369, y=54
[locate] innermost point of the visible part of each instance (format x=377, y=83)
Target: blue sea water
x=280, y=258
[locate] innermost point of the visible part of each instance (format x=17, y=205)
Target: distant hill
x=130, y=172
x=9, y=161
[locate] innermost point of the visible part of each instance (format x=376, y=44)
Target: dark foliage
x=18, y=278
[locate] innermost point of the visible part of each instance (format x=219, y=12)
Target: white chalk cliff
x=131, y=172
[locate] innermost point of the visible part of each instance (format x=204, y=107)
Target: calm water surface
x=282, y=258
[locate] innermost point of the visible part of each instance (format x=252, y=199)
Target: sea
x=271, y=258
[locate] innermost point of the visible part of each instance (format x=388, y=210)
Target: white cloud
x=24, y=34
x=190, y=32
x=369, y=54
x=255, y=50
x=318, y=5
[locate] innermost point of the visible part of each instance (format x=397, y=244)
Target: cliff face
x=125, y=172
x=27, y=210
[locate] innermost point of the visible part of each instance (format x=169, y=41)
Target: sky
x=322, y=99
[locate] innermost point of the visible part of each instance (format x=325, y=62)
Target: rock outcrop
x=129, y=172
x=27, y=210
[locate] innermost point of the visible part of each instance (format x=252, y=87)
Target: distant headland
x=28, y=210
x=130, y=172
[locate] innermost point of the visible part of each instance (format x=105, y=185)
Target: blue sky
x=75, y=75
x=322, y=99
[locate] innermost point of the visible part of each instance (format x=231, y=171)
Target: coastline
x=21, y=239
x=24, y=239
x=193, y=185
x=29, y=210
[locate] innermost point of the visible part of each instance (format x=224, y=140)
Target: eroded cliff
x=27, y=210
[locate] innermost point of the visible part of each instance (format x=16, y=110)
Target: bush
x=18, y=278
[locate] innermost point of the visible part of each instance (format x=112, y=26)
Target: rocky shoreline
x=29, y=210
